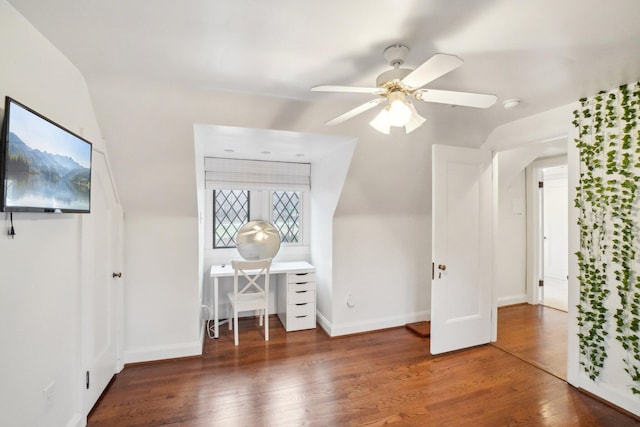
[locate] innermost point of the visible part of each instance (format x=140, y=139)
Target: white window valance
x=256, y=175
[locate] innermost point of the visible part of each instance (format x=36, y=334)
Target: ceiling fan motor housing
x=396, y=54
x=396, y=74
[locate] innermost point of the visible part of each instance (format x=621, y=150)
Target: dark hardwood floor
x=378, y=378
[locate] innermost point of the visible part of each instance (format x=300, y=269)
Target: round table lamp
x=258, y=240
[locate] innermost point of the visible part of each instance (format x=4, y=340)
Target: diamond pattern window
x=230, y=212
x=285, y=215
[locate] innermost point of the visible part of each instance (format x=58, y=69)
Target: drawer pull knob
x=300, y=292
x=301, y=283
x=299, y=317
x=301, y=274
x=302, y=303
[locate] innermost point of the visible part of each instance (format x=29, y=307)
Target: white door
x=461, y=288
x=101, y=291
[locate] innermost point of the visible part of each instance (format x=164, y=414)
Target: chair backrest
x=251, y=270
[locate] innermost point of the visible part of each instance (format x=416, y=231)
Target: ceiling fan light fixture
x=415, y=121
x=399, y=113
x=381, y=121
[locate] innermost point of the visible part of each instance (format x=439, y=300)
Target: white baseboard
x=76, y=421
x=148, y=354
x=626, y=401
x=335, y=330
x=323, y=322
x=512, y=299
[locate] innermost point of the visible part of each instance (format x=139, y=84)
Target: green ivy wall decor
x=608, y=200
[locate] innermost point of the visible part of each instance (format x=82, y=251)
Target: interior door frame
x=115, y=219
x=535, y=226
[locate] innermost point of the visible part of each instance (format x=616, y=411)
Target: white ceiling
x=263, y=144
x=545, y=52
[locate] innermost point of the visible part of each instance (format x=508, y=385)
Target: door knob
x=442, y=267
x=118, y=274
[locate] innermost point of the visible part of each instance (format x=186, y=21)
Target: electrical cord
x=12, y=231
x=210, y=327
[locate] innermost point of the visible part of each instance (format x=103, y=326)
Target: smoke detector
x=510, y=104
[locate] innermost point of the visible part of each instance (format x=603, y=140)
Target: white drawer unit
x=297, y=300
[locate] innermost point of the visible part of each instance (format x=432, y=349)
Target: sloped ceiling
x=261, y=58
x=545, y=52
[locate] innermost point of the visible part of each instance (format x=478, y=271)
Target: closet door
x=101, y=286
x=461, y=289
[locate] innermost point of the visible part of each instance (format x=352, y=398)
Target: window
x=276, y=191
x=231, y=211
x=285, y=215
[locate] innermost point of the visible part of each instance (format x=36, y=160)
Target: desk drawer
x=301, y=309
x=301, y=295
x=302, y=321
x=300, y=278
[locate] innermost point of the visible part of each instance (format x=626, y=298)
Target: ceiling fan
x=398, y=85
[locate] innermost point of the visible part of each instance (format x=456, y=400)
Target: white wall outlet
x=351, y=301
x=48, y=394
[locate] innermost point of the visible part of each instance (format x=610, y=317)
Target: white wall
x=39, y=269
x=511, y=244
x=161, y=267
x=382, y=235
x=327, y=179
x=393, y=265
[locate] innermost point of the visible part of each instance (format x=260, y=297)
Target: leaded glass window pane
x=286, y=215
x=230, y=212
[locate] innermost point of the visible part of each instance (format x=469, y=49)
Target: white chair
x=251, y=296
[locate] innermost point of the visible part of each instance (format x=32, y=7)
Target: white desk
x=290, y=269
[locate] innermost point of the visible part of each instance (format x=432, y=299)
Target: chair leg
x=266, y=325
x=260, y=313
x=235, y=327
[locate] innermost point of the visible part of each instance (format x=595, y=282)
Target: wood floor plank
x=535, y=333
x=379, y=378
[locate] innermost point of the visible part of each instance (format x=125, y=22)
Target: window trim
x=214, y=217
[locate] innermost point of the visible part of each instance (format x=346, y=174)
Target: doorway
x=522, y=251
x=554, y=234
x=547, y=232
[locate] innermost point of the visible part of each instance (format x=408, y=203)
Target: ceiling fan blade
x=466, y=99
x=358, y=110
x=436, y=66
x=351, y=89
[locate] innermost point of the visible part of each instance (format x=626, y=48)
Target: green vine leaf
x=608, y=202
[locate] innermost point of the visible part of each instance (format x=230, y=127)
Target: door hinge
x=541, y=283
x=540, y=184
x=87, y=380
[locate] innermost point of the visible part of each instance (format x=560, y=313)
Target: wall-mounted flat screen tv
x=43, y=166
